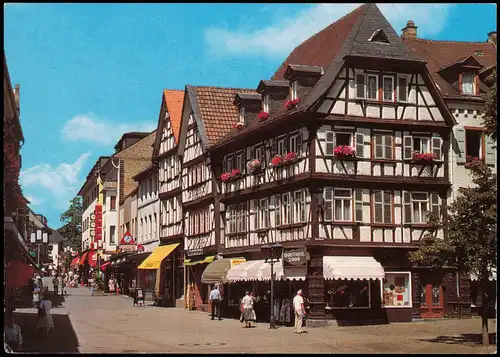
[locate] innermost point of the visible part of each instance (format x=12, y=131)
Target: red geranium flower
x=263, y=115
x=290, y=104
x=289, y=156
x=277, y=160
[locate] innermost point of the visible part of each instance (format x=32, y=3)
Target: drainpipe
x=458, y=296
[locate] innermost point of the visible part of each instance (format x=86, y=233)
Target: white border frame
x=410, y=291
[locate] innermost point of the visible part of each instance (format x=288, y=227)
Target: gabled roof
x=439, y=54
x=171, y=103
x=467, y=59
x=214, y=110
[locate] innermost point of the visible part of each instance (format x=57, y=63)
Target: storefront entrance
x=432, y=301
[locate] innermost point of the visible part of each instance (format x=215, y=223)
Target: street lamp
x=273, y=251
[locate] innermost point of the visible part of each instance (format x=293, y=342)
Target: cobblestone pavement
x=103, y=324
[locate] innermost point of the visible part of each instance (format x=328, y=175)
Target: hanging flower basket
x=290, y=157
x=239, y=125
x=424, y=158
x=263, y=115
x=290, y=104
x=277, y=161
x=344, y=151
x=255, y=166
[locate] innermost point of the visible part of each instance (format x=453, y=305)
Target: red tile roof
x=440, y=54
x=217, y=110
x=174, y=100
x=313, y=51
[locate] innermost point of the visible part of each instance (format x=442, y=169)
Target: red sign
x=127, y=239
x=98, y=223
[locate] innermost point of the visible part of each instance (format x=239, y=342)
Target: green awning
x=216, y=271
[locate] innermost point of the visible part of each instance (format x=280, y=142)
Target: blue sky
x=90, y=72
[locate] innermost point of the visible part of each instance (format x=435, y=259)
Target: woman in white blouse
x=45, y=321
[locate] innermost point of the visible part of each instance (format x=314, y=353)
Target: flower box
x=239, y=125
x=255, y=166
x=277, y=161
x=290, y=104
x=263, y=115
x=290, y=157
x=230, y=176
x=424, y=158
x=344, y=151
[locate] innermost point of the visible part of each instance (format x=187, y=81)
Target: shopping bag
x=242, y=318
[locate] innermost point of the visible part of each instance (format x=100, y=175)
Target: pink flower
x=263, y=115
x=254, y=165
x=277, y=160
x=289, y=156
x=290, y=104
x=235, y=173
x=225, y=177
x=344, y=150
x=428, y=157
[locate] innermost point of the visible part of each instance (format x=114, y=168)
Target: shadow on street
x=467, y=338
x=61, y=339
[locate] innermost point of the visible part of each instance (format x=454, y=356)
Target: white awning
x=493, y=275
x=352, y=267
x=260, y=270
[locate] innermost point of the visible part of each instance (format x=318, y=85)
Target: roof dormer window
x=468, y=83
x=293, y=90
x=379, y=36
x=265, y=104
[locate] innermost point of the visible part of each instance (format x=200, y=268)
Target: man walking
x=55, y=283
x=300, y=311
x=215, y=299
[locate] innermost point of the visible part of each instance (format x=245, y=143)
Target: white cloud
x=34, y=201
x=90, y=127
x=58, y=185
x=281, y=37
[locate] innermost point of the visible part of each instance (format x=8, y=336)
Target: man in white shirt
x=215, y=300
x=300, y=311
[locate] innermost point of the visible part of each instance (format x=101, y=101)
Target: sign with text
x=194, y=252
x=127, y=248
x=98, y=223
x=294, y=257
x=237, y=261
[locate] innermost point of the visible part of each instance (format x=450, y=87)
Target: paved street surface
x=103, y=324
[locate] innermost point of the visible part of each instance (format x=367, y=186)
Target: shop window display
x=347, y=294
x=396, y=290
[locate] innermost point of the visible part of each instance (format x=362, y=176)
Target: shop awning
x=493, y=275
x=74, y=262
x=104, y=265
x=352, y=267
x=260, y=270
x=18, y=273
x=216, y=271
x=207, y=260
x=82, y=259
x=155, y=259
x=92, y=258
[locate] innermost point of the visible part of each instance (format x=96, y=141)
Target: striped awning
x=352, y=268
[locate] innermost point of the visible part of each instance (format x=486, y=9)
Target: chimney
x=410, y=31
x=16, y=97
x=492, y=37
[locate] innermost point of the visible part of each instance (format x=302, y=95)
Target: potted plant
x=344, y=151
x=239, y=125
x=291, y=103
x=290, y=157
x=255, y=166
x=427, y=157
x=263, y=115
x=277, y=161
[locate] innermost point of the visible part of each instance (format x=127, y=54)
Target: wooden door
x=432, y=301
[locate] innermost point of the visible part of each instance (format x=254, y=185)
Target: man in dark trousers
x=215, y=299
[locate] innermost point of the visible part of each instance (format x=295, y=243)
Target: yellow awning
x=155, y=259
x=207, y=260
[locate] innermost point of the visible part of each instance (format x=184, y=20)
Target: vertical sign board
x=98, y=222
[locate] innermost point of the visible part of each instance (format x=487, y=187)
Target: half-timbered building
x=461, y=71
x=205, y=120
x=344, y=154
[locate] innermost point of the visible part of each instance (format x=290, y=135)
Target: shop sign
x=127, y=248
x=237, y=261
x=294, y=257
x=193, y=252
x=127, y=239
x=98, y=222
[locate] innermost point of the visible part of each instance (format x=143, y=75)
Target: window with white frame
x=293, y=90
x=232, y=219
x=467, y=83
x=276, y=201
x=372, y=87
x=417, y=205
x=396, y=291
x=286, y=208
x=260, y=154
x=265, y=102
x=330, y=143
x=281, y=146
x=402, y=89
x=388, y=88
x=296, y=143
x=344, y=139
x=242, y=114
x=382, y=206
x=242, y=217
x=360, y=86
x=383, y=146
x=299, y=207
x=262, y=214
x=422, y=144
x=342, y=204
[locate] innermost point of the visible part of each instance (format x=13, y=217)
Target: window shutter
x=328, y=209
x=330, y=143
x=436, y=146
x=388, y=147
x=298, y=142
x=360, y=145
x=476, y=80
x=460, y=83
x=277, y=211
x=360, y=86
x=408, y=147
x=358, y=205
x=460, y=137
x=490, y=150
x=274, y=147
x=402, y=85
x=435, y=203
x=407, y=206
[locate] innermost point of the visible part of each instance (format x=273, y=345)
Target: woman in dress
x=45, y=321
x=111, y=285
x=247, y=309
